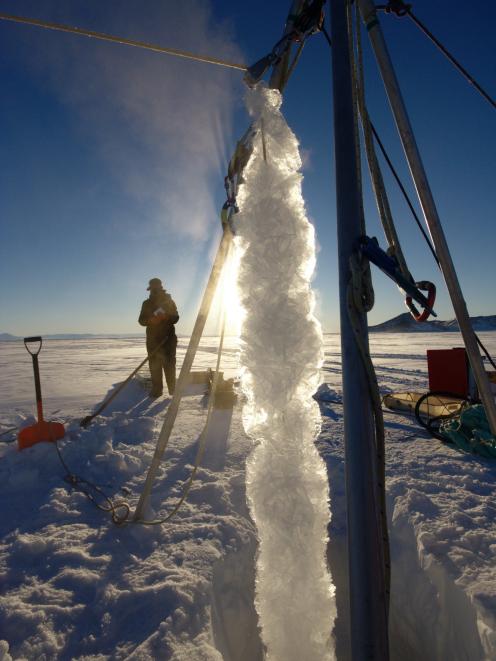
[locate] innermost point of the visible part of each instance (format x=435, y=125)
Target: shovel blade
x=40, y=432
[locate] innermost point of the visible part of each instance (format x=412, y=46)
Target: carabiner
x=430, y=288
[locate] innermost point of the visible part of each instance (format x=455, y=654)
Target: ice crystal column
x=281, y=354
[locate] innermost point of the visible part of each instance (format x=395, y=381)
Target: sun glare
x=227, y=298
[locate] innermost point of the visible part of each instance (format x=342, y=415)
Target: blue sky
x=112, y=159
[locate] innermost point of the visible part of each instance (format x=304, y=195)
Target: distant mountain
x=404, y=323
x=7, y=337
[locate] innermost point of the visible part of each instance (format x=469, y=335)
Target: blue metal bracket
x=369, y=248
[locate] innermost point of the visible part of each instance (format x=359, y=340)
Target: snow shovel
x=42, y=430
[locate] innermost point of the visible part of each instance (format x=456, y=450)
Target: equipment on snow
x=440, y=404
x=465, y=426
x=449, y=370
x=224, y=396
x=42, y=430
x=470, y=432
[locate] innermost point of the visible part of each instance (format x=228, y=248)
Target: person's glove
x=158, y=317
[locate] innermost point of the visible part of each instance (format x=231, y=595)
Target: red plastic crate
x=448, y=370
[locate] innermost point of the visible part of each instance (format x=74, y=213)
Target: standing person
x=159, y=314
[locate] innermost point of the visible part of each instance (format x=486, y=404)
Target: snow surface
x=281, y=353
x=74, y=586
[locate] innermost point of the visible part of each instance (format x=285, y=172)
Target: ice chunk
x=281, y=353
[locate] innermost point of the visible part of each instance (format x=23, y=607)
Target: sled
x=434, y=406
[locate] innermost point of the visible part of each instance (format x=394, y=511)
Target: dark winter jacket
x=158, y=314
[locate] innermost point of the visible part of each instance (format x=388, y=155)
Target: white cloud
x=164, y=125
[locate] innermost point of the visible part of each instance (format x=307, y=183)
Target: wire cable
x=405, y=194
x=401, y=9
x=121, y=40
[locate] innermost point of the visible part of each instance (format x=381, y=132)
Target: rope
x=85, y=486
x=121, y=40
x=401, y=9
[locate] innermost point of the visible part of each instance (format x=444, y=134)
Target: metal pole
x=431, y=215
x=182, y=381
x=368, y=610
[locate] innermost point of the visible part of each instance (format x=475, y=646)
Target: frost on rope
x=281, y=355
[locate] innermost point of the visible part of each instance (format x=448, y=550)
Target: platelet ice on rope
x=281, y=353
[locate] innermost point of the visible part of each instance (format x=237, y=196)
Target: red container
x=449, y=371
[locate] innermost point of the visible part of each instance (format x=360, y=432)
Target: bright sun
x=227, y=299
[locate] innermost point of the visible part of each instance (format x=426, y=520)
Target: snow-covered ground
x=75, y=586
